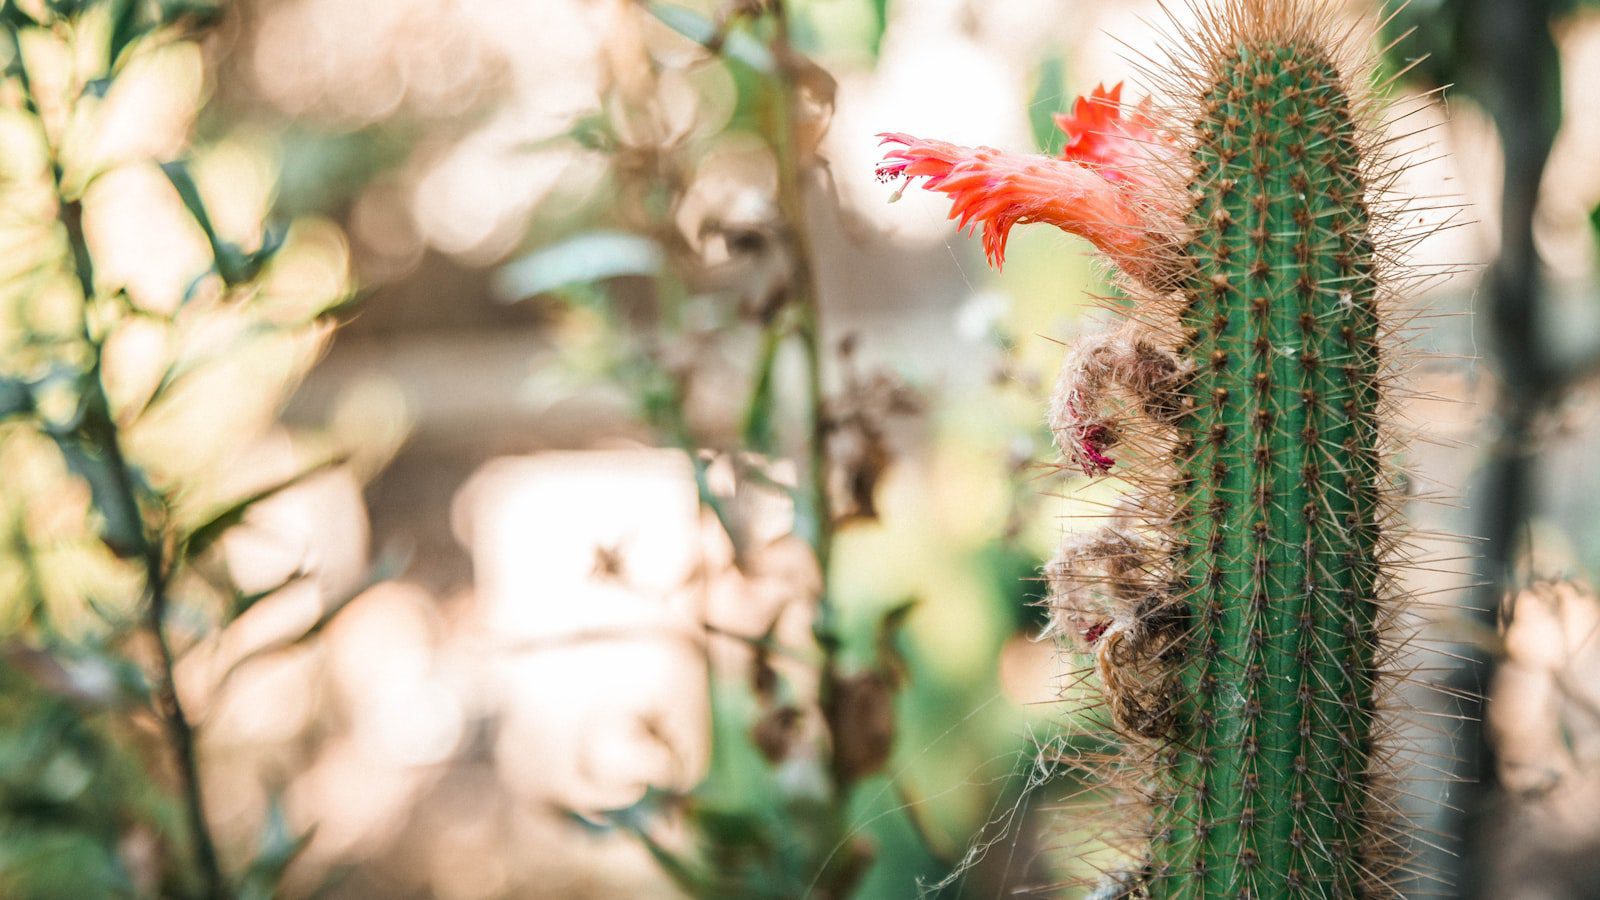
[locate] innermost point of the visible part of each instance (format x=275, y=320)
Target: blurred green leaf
x=204, y=535
x=880, y=24
x=1049, y=98
x=126, y=27
x=276, y=848
x=193, y=13
x=16, y=397
x=758, y=432
x=59, y=864
x=585, y=258
x=177, y=173
x=591, y=132
x=322, y=171
x=233, y=263
x=729, y=42
x=14, y=17
x=67, y=7
x=682, y=874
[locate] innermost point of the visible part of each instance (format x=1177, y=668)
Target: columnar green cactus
x=1238, y=611
x=1276, y=530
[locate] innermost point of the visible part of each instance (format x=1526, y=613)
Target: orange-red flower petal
x=999, y=190
x=1098, y=135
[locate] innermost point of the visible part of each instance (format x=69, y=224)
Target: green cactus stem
x=1277, y=535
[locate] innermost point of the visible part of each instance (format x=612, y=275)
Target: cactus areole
x=1237, y=611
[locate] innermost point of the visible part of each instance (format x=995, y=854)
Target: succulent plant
x=1239, y=610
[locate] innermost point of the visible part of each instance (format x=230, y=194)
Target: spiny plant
x=1241, y=608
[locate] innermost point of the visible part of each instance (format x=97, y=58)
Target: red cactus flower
x=1120, y=148
x=1085, y=192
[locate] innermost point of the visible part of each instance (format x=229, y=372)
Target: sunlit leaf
x=233, y=263
x=127, y=26
x=177, y=173
x=204, y=535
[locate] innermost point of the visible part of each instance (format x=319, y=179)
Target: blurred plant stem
x=794, y=164
x=1504, y=56
x=799, y=839
x=99, y=431
x=1518, y=79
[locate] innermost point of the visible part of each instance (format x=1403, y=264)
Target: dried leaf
x=861, y=720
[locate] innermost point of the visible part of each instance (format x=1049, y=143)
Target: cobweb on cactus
x=1242, y=614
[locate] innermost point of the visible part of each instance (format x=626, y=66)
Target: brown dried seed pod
x=1135, y=659
x=1083, y=411
x=1109, y=598
x=1096, y=579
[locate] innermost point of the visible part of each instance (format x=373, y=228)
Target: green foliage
x=235, y=265
x=1459, y=43
x=808, y=791
x=69, y=791
x=100, y=787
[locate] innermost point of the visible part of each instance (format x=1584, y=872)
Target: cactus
x=1239, y=612
x=1279, y=490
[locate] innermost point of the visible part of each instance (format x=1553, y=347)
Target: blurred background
x=558, y=470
